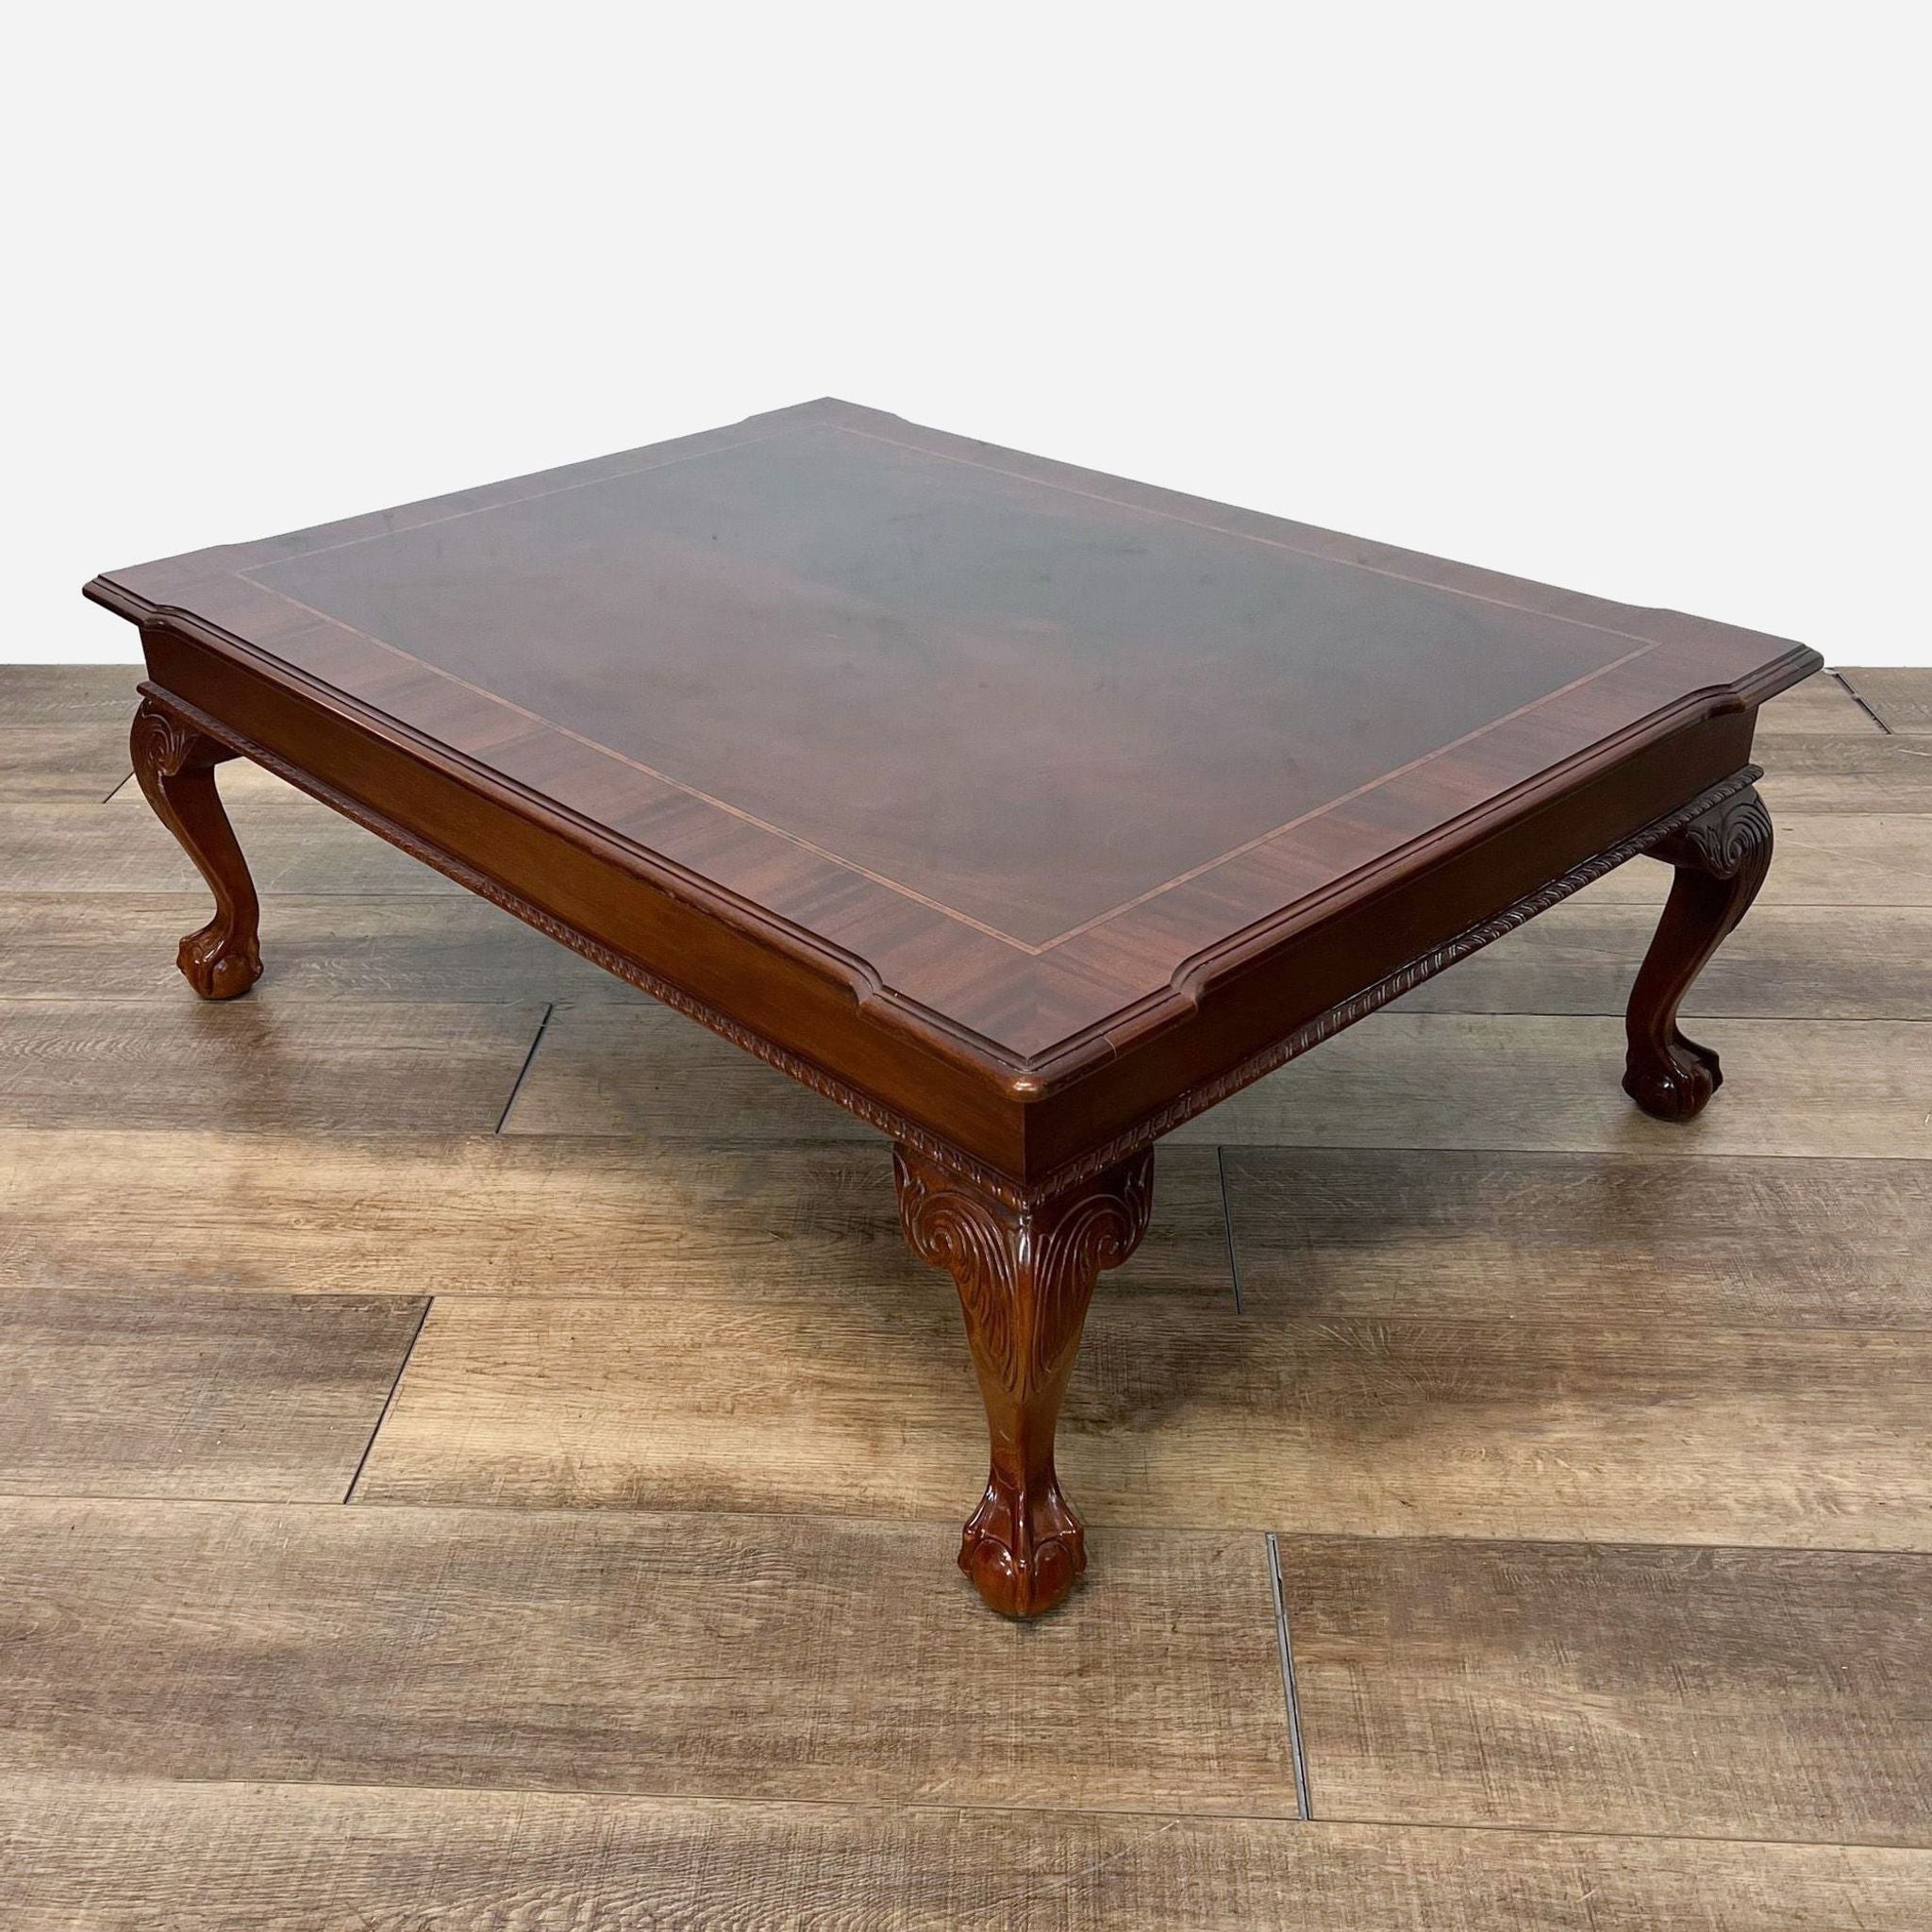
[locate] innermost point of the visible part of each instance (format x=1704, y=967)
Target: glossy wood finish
x=1026, y=676
x=1721, y=859
x=174, y=765
x=1023, y=812
x=1025, y=1276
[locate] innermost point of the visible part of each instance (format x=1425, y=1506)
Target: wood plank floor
x=299, y=1858
x=474, y=1450
x=107, y=1392
x=1899, y=701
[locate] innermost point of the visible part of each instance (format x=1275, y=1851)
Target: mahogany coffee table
x=1023, y=811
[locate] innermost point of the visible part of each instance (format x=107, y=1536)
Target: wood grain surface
x=63, y=730
x=65, y=693
x=1863, y=774
x=249, y=791
x=685, y=1655
x=1785, y=962
x=646, y=1070
x=1900, y=699
x=514, y=1215
x=1722, y=1693
x=79, y=760
x=1183, y=1413
x=1010, y=846
x=1808, y=961
x=432, y=946
x=269, y=1397
x=1823, y=703
x=253, y=1065
x=1323, y=1233
x=233, y=1858
x=724, y=651
x=296, y=845
x=1815, y=1087
x=1841, y=857
x=1398, y=1079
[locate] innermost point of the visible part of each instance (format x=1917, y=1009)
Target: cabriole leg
x=1721, y=859
x=1025, y=1276
x=174, y=764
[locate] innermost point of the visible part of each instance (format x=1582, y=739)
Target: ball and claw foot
x=1023, y=1554
x=217, y=964
x=1721, y=859
x=1677, y=1087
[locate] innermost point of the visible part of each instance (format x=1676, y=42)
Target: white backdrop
x=1627, y=299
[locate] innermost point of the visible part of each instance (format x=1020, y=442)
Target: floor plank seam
x=1234, y=1264
x=388, y=1401
x=1913, y=1846
x=1292, y=1700
x=947, y=1808
x=1179, y=1299
x=943, y=1527
x=516, y=1085
x=1851, y=693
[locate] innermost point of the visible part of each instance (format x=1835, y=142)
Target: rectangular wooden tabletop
x=1029, y=758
